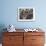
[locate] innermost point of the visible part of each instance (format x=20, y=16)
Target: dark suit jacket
x=30, y=16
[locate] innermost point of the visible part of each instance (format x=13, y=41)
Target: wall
x=8, y=13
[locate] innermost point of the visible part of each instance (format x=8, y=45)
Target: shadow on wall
x=2, y=26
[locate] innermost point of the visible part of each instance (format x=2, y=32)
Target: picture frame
x=26, y=14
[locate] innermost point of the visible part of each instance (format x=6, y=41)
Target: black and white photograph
x=26, y=14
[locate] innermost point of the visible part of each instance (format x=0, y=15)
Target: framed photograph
x=26, y=14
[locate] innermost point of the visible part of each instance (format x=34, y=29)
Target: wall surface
x=8, y=13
